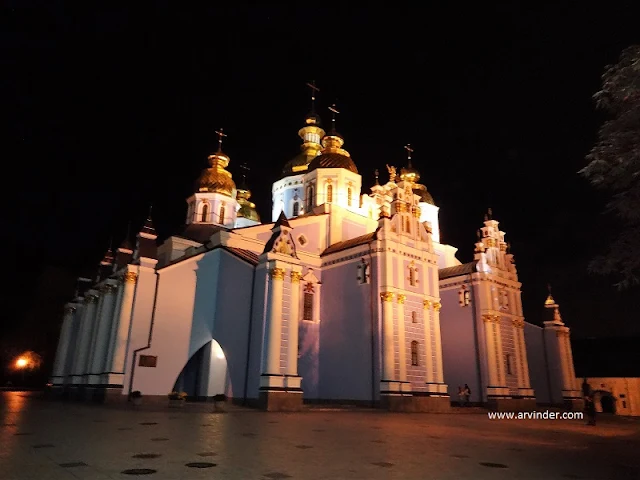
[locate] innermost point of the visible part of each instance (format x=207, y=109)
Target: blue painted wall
x=459, y=346
x=538, y=375
x=231, y=323
x=257, y=332
x=345, y=335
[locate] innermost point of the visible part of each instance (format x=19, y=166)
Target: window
x=414, y=317
x=464, y=296
x=307, y=313
x=349, y=196
x=467, y=297
x=505, y=300
x=302, y=240
x=205, y=212
x=407, y=225
x=508, y=362
x=309, y=198
x=329, y=193
x=296, y=209
x=414, y=353
x=222, y=213
x=412, y=275
x=148, y=361
x=363, y=272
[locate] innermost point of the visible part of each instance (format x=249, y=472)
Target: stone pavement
x=41, y=439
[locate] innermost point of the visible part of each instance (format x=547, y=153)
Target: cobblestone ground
x=41, y=439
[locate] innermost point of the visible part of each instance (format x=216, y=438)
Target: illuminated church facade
x=344, y=296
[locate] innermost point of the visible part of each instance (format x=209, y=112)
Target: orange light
x=21, y=362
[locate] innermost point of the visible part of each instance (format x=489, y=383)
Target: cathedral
x=345, y=296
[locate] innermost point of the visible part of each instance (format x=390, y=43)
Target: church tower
x=332, y=177
x=562, y=377
x=247, y=214
x=214, y=201
x=428, y=211
x=287, y=193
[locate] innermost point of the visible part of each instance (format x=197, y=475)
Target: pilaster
x=84, y=338
x=496, y=387
x=103, y=330
x=292, y=380
x=402, y=346
x=116, y=360
x=63, y=345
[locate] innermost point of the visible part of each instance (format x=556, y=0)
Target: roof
x=333, y=160
x=247, y=255
x=353, y=242
x=457, y=270
x=200, y=232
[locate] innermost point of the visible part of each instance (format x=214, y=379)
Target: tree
x=614, y=165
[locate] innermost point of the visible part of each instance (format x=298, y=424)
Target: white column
x=562, y=348
x=523, y=351
x=95, y=324
x=492, y=352
x=114, y=327
x=294, y=317
x=116, y=361
x=84, y=338
x=103, y=329
x=572, y=374
x=438, y=353
x=428, y=344
x=273, y=335
x=63, y=344
x=402, y=345
x=388, y=371
x=519, y=353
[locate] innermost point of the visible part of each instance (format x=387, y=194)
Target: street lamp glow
x=21, y=362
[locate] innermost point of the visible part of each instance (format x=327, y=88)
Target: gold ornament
x=277, y=273
x=401, y=298
x=295, y=277
x=427, y=303
x=437, y=306
x=386, y=296
x=130, y=277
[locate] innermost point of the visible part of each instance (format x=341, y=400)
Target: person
x=590, y=410
x=461, y=396
x=467, y=394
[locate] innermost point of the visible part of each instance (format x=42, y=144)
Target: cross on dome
x=314, y=89
x=221, y=135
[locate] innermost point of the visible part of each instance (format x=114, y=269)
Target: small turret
x=146, y=246
x=106, y=265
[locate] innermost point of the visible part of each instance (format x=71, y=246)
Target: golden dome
x=425, y=196
x=333, y=155
x=216, y=179
x=246, y=208
x=550, y=301
x=409, y=174
x=310, y=134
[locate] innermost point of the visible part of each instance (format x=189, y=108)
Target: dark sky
x=108, y=109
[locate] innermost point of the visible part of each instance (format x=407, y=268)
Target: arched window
x=309, y=198
x=407, y=225
x=307, y=302
x=349, y=196
x=296, y=209
x=414, y=353
x=412, y=275
x=329, y=193
x=205, y=212
x=414, y=317
x=222, y=212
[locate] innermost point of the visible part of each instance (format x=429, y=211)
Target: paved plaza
x=42, y=439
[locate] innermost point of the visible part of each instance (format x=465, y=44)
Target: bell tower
x=214, y=201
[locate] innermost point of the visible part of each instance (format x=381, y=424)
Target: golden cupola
x=333, y=155
x=411, y=174
x=246, y=209
x=215, y=178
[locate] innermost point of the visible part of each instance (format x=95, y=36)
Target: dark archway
x=205, y=374
x=608, y=403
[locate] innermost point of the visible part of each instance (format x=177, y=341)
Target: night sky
x=105, y=111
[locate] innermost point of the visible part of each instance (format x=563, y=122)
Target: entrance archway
x=608, y=403
x=205, y=374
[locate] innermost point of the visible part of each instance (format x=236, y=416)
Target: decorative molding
x=517, y=322
x=107, y=288
x=130, y=277
x=437, y=306
x=427, y=303
x=277, y=273
x=295, y=277
x=386, y=296
x=489, y=318
x=91, y=298
x=401, y=298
